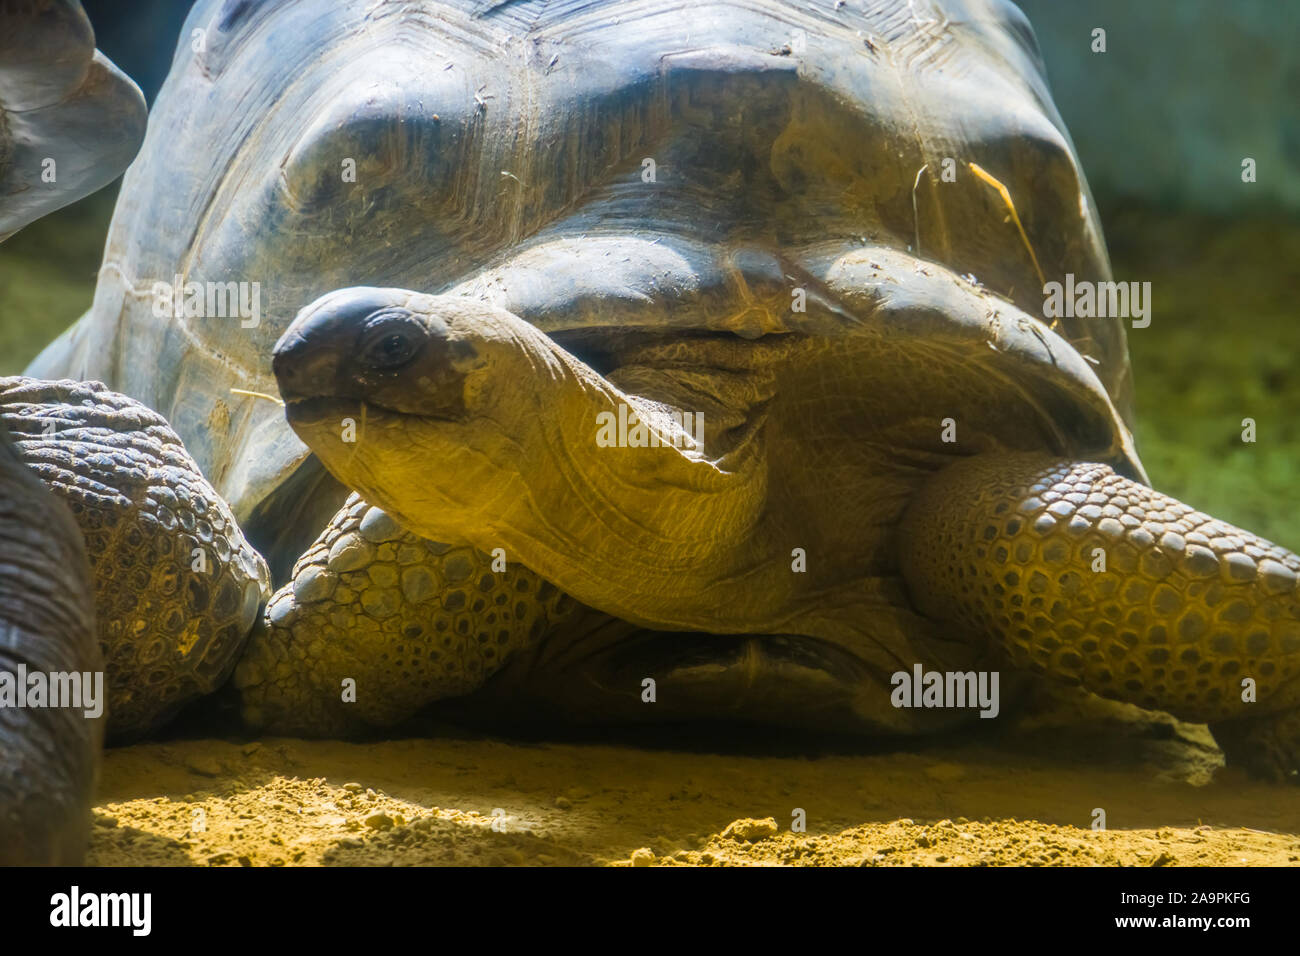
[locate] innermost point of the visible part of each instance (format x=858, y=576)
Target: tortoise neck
x=620, y=504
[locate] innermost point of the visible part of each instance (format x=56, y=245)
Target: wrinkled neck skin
x=650, y=534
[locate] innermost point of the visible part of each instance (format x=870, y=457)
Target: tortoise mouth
x=315, y=412
x=323, y=411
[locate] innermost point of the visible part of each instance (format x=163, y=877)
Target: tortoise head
x=382, y=382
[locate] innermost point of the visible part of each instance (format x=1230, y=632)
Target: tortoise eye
x=392, y=350
x=392, y=339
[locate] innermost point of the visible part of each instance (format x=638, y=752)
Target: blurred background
x=1185, y=90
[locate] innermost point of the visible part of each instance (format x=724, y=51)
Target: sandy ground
x=1023, y=796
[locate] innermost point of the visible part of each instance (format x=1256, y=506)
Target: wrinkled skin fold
x=49, y=756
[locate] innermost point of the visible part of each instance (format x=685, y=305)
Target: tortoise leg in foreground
x=177, y=588
x=406, y=620
x=49, y=756
x=1081, y=574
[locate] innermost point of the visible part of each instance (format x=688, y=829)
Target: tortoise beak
x=301, y=367
x=311, y=359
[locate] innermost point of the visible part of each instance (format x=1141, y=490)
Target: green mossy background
x=47, y=276
x=1222, y=346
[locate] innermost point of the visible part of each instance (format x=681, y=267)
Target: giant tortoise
x=726, y=390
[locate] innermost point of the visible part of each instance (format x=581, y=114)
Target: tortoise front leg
x=1088, y=577
x=378, y=622
x=176, y=586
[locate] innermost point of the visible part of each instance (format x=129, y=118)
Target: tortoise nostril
x=284, y=361
x=304, y=371
x=282, y=367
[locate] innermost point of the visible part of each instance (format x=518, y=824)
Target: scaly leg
x=1187, y=614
